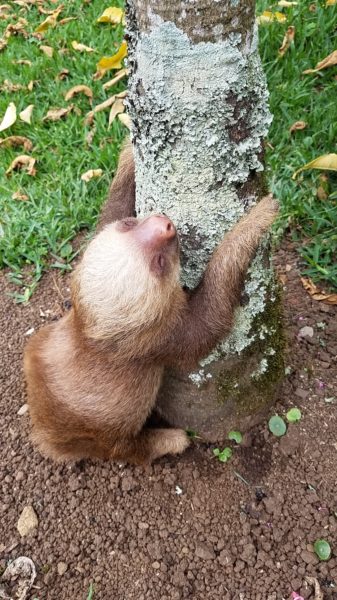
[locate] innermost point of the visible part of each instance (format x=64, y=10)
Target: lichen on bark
x=199, y=112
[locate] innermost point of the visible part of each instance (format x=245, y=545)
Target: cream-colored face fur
x=116, y=286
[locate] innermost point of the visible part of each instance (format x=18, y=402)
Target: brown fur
x=93, y=377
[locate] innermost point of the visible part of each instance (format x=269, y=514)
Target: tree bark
x=198, y=103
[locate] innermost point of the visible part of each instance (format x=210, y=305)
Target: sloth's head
x=127, y=276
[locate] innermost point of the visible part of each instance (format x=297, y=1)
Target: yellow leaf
x=117, y=107
x=50, y=21
x=326, y=162
x=16, y=140
x=81, y=47
x=286, y=4
x=26, y=114
x=125, y=119
x=269, y=17
x=112, y=15
x=23, y=162
x=114, y=61
x=55, y=114
x=9, y=117
x=47, y=50
x=91, y=174
x=115, y=80
x=289, y=37
x=328, y=61
x=330, y=2
x=297, y=126
x=79, y=89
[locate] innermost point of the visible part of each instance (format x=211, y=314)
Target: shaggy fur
x=93, y=377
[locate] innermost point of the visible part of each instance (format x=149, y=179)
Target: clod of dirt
x=28, y=521
x=20, y=576
x=205, y=552
x=62, y=567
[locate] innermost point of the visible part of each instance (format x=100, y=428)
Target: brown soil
x=237, y=531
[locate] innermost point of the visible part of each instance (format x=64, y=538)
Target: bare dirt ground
x=187, y=527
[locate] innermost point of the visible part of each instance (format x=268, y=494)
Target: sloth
x=93, y=377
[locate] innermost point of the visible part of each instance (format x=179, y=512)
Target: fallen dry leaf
x=90, y=136
x=16, y=140
x=115, y=61
x=26, y=114
x=328, y=61
x=106, y=104
x=4, y=8
x=286, y=4
x=269, y=17
x=62, y=74
x=316, y=293
x=55, y=114
x=3, y=44
x=23, y=162
x=112, y=15
x=326, y=162
x=50, y=21
x=92, y=173
x=20, y=196
x=289, y=37
x=79, y=89
x=47, y=50
x=22, y=61
x=31, y=85
x=117, y=107
x=67, y=20
x=125, y=119
x=9, y=117
x=317, y=588
x=298, y=125
x=9, y=86
x=120, y=75
x=16, y=29
x=45, y=11
x=81, y=47
x=321, y=193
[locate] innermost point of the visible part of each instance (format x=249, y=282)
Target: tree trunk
x=198, y=103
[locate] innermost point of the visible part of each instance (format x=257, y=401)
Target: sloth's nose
x=156, y=230
x=163, y=226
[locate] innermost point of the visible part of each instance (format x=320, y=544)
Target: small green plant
x=235, y=436
x=293, y=415
x=322, y=549
x=191, y=433
x=277, y=426
x=223, y=455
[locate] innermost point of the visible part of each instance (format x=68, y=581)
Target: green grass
x=310, y=98
x=39, y=232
